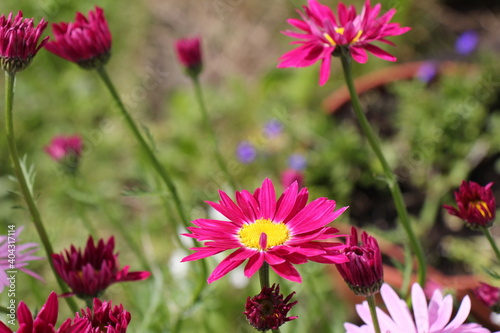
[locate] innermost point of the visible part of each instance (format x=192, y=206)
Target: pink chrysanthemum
x=261, y=229
x=364, y=271
x=323, y=33
x=87, y=41
x=476, y=204
x=427, y=318
x=101, y=318
x=44, y=322
x=23, y=254
x=19, y=41
x=489, y=295
x=88, y=273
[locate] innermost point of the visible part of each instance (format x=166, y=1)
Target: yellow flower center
x=482, y=208
x=250, y=234
x=341, y=31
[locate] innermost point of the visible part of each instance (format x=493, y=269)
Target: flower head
x=273, y=128
x=66, y=150
x=467, y=42
x=87, y=41
x=262, y=229
x=268, y=310
x=476, y=204
x=44, y=322
x=101, y=318
x=323, y=33
x=24, y=253
x=189, y=54
x=88, y=273
x=427, y=318
x=363, y=272
x=246, y=152
x=489, y=295
x=19, y=41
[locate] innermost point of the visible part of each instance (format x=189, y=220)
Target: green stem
x=144, y=145
x=264, y=275
x=373, y=312
x=488, y=235
x=4, y=309
x=389, y=175
x=213, y=136
x=23, y=183
x=165, y=177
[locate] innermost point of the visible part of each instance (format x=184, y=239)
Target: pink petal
x=420, y=308
x=287, y=271
x=254, y=264
x=378, y=52
x=267, y=200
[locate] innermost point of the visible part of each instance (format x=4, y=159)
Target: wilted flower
x=363, y=272
x=432, y=318
x=262, y=229
x=22, y=254
x=476, y=204
x=489, y=295
x=268, y=310
x=44, y=322
x=323, y=33
x=101, y=318
x=189, y=54
x=19, y=41
x=467, y=42
x=246, y=152
x=289, y=176
x=90, y=272
x=86, y=42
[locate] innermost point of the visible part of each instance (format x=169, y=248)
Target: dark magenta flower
x=189, y=54
x=268, y=310
x=44, y=322
x=322, y=33
x=101, y=318
x=363, y=272
x=87, y=41
x=88, y=273
x=476, y=204
x=489, y=295
x=19, y=41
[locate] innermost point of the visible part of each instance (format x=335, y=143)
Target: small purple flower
x=427, y=72
x=297, y=162
x=273, y=128
x=246, y=152
x=467, y=42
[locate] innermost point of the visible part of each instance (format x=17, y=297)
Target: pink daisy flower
x=427, y=318
x=322, y=32
x=281, y=233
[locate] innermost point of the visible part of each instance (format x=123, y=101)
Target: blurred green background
x=434, y=133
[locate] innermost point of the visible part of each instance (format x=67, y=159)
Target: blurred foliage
x=440, y=133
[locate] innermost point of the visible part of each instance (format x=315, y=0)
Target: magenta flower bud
x=189, y=54
x=268, y=310
x=87, y=41
x=89, y=272
x=476, y=205
x=67, y=151
x=289, y=176
x=364, y=271
x=19, y=41
x=489, y=295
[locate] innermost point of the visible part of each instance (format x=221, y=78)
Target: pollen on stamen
x=263, y=234
x=329, y=39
